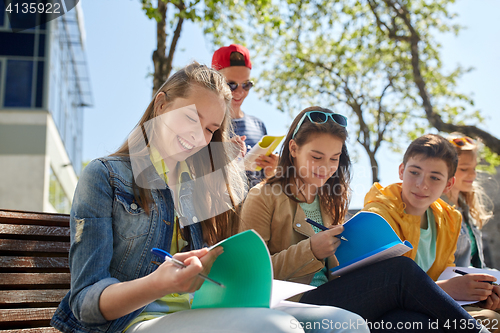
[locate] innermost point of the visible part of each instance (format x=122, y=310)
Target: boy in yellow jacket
x=417, y=214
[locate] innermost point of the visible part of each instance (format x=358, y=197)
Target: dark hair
x=236, y=59
x=434, y=146
x=334, y=195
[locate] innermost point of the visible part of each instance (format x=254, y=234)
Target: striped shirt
x=254, y=129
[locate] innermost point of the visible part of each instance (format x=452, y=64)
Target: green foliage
x=222, y=20
x=338, y=54
x=84, y=164
x=352, y=56
x=489, y=161
x=151, y=11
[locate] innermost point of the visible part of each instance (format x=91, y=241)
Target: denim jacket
x=111, y=241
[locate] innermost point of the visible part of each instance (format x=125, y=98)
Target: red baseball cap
x=221, y=58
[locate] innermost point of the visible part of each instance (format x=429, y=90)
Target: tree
x=400, y=20
x=162, y=60
x=170, y=16
x=338, y=54
x=321, y=64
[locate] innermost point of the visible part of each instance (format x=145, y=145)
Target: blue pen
x=465, y=273
x=322, y=227
x=167, y=256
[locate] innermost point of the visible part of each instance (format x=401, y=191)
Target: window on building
x=22, y=20
x=41, y=45
x=39, y=85
x=57, y=197
x=17, y=44
x=18, y=83
x=2, y=13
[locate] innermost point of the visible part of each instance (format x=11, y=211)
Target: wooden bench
x=34, y=270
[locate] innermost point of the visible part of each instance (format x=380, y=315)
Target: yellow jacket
x=387, y=202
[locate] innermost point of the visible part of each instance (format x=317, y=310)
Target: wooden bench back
x=34, y=270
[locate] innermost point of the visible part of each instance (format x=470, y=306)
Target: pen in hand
x=465, y=273
x=322, y=227
x=167, y=256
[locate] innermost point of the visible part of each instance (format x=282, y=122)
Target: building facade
x=44, y=88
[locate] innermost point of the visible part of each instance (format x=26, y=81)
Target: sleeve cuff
x=90, y=313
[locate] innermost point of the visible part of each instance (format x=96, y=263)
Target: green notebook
x=245, y=270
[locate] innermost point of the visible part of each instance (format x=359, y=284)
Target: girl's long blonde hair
x=476, y=200
x=206, y=194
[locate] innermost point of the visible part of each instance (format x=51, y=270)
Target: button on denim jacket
x=111, y=241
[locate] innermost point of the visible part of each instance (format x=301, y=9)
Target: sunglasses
x=320, y=117
x=460, y=142
x=245, y=85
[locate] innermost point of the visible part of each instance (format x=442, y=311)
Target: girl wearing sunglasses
x=469, y=198
x=312, y=180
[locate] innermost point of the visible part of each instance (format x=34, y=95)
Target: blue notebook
x=370, y=239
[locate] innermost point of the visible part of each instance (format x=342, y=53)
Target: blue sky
x=120, y=40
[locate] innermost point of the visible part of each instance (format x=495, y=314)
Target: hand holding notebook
x=265, y=146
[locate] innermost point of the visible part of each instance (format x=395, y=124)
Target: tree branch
x=173, y=46
x=434, y=118
x=159, y=53
x=392, y=32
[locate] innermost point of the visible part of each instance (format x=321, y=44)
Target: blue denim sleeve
x=91, y=248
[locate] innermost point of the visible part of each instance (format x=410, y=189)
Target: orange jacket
x=387, y=202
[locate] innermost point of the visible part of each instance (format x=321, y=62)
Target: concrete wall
x=29, y=146
x=22, y=159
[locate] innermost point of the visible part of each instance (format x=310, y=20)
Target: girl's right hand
x=324, y=243
x=122, y=298
x=170, y=278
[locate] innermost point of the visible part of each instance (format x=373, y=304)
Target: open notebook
x=370, y=239
x=245, y=269
x=448, y=273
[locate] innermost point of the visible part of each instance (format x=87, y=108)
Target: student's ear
x=401, y=170
x=160, y=103
x=292, y=145
x=449, y=184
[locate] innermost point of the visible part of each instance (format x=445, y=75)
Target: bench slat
x=32, y=296
x=33, y=246
x=34, y=279
x=20, y=217
x=34, y=269
x=33, y=330
x=34, y=230
x=31, y=262
x=17, y=315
